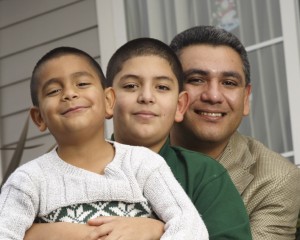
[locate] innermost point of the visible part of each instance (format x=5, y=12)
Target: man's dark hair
x=55, y=53
x=143, y=47
x=214, y=36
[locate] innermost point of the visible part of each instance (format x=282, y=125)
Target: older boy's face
x=71, y=98
x=219, y=98
x=146, y=101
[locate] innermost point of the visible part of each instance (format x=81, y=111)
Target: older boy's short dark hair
x=214, y=36
x=55, y=53
x=143, y=47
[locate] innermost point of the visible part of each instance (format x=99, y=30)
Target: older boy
x=86, y=176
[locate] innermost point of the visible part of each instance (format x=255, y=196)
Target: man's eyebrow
x=206, y=73
x=232, y=74
x=195, y=71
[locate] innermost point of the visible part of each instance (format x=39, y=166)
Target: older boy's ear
x=110, y=100
x=38, y=119
x=182, y=105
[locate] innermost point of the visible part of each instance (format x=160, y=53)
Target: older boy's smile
x=146, y=100
x=145, y=114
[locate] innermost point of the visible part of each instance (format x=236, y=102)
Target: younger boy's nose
x=69, y=94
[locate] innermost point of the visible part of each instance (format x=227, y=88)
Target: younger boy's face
x=71, y=98
x=146, y=102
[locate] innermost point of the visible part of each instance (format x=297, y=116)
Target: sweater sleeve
x=173, y=206
x=18, y=206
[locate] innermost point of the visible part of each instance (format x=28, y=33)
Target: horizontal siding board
x=26, y=34
x=13, y=11
x=12, y=102
x=48, y=27
x=18, y=67
x=12, y=127
x=47, y=142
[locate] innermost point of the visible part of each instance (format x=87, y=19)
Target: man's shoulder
x=267, y=159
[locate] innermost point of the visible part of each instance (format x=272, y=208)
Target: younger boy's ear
x=38, y=119
x=182, y=105
x=110, y=100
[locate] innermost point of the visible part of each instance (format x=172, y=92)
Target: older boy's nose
x=146, y=96
x=211, y=93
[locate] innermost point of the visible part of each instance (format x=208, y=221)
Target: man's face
x=219, y=98
x=146, y=101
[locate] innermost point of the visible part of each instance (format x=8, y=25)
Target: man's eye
x=194, y=80
x=130, y=86
x=230, y=83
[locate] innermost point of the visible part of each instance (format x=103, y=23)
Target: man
x=217, y=78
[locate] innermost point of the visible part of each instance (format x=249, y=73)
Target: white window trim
x=290, y=25
x=112, y=34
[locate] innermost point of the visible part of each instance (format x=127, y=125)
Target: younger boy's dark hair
x=143, y=47
x=55, y=53
x=213, y=36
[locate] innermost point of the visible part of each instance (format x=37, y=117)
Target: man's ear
x=38, y=119
x=110, y=100
x=247, y=99
x=182, y=105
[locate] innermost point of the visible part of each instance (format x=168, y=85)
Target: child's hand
x=125, y=228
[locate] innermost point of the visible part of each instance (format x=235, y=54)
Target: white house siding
x=29, y=29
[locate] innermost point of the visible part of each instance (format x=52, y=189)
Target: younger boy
x=86, y=176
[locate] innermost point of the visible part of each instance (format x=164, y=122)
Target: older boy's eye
x=163, y=88
x=130, y=86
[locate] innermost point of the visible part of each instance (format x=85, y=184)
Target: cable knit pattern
x=135, y=175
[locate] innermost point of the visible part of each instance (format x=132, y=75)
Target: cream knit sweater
x=136, y=182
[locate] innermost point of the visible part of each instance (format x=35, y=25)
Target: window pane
x=254, y=22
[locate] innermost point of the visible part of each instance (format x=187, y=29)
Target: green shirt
x=211, y=190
